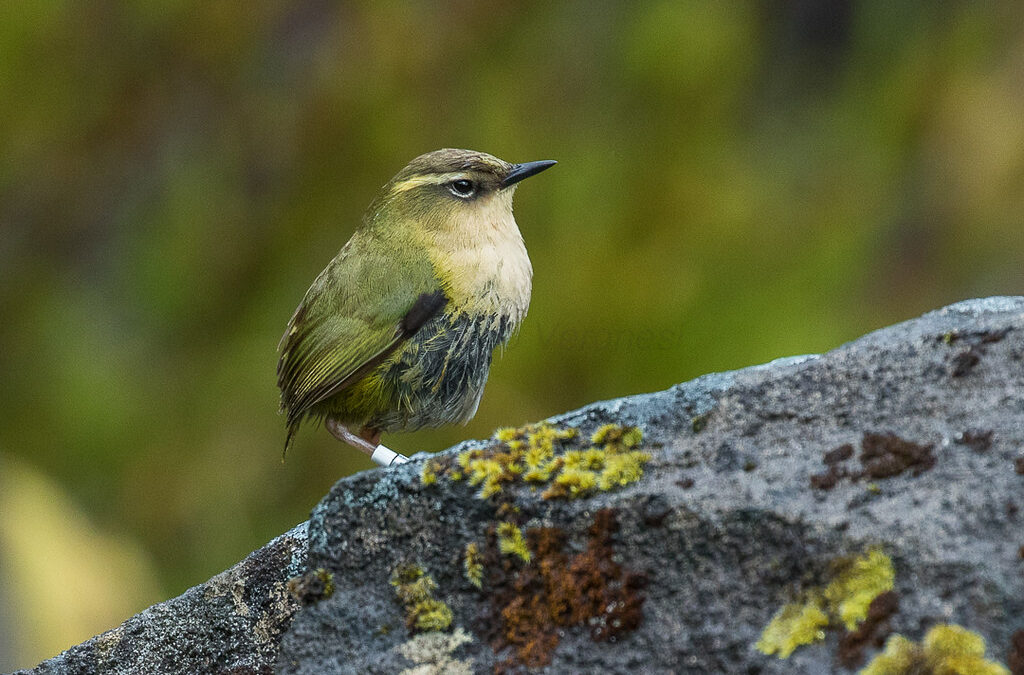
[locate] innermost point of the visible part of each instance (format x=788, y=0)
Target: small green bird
x=397, y=333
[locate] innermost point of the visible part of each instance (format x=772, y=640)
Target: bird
x=398, y=332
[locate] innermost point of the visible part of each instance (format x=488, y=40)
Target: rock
x=876, y=481
x=230, y=624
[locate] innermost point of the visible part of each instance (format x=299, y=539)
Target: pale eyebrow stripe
x=433, y=179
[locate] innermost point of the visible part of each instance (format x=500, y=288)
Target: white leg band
x=383, y=456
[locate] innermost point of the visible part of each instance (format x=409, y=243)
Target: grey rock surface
x=230, y=624
x=736, y=514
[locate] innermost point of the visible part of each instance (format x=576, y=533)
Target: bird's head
x=452, y=191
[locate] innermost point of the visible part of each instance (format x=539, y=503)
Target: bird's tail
x=288, y=439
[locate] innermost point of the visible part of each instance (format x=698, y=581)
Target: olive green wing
x=357, y=312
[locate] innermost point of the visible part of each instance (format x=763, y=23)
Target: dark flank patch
x=872, y=632
x=441, y=371
x=289, y=369
x=425, y=307
x=882, y=455
x=535, y=603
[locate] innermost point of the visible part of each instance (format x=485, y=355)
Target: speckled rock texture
x=760, y=482
x=230, y=624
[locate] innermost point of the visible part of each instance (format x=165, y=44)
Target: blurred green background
x=737, y=181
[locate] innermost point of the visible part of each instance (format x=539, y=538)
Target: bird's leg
x=371, y=435
x=367, y=440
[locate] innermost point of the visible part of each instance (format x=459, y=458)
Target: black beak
x=525, y=170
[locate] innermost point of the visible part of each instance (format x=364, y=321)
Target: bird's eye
x=462, y=188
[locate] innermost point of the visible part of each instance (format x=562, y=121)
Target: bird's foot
x=380, y=454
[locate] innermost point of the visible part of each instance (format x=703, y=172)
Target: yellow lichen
x=473, y=565
x=415, y=588
x=859, y=582
x=312, y=586
x=946, y=650
x=542, y=472
x=698, y=422
x=572, y=483
x=428, y=474
x=506, y=434
x=590, y=459
x=545, y=436
x=845, y=599
x=536, y=457
x=531, y=454
x=486, y=472
x=468, y=456
x=616, y=436
x=633, y=437
x=622, y=469
x=412, y=584
x=899, y=656
x=431, y=615
x=794, y=625
x=511, y=542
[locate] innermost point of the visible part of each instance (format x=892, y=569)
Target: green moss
x=859, y=582
x=472, y=563
x=845, y=600
x=415, y=589
x=794, y=625
x=511, y=542
x=946, y=649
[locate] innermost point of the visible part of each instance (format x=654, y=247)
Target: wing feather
x=352, y=318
